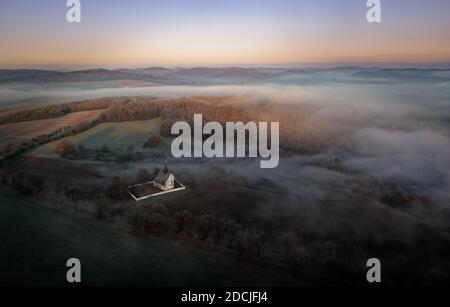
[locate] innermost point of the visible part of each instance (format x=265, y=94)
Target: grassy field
x=18, y=132
x=117, y=136
x=38, y=239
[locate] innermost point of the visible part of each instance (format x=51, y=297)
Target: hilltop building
x=164, y=183
x=165, y=180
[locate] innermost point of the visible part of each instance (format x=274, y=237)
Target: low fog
x=382, y=180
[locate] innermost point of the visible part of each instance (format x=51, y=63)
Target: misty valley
x=363, y=172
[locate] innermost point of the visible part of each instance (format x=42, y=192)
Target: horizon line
x=333, y=64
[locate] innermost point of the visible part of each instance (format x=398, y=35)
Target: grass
x=18, y=132
x=116, y=136
x=38, y=238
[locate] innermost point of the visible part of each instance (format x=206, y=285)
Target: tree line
x=296, y=131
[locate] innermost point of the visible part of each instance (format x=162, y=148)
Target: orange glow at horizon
x=228, y=33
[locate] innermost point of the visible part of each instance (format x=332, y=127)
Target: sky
x=114, y=33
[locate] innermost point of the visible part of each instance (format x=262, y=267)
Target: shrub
x=102, y=209
x=147, y=222
x=184, y=222
x=153, y=141
x=114, y=189
x=71, y=153
x=26, y=183
x=62, y=145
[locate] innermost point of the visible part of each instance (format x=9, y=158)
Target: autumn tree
x=61, y=146
x=153, y=141
x=184, y=222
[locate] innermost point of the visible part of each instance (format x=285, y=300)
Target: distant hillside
x=42, y=76
x=409, y=74
x=26, y=75
x=213, y=76
x=157, y=75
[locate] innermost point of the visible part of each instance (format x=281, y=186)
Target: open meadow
x=115, y=136
x=21, y=131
